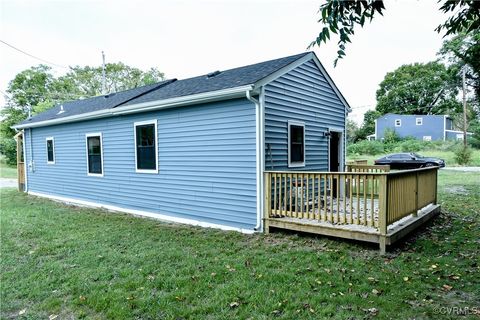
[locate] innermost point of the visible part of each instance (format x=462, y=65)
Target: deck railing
x=372, y=199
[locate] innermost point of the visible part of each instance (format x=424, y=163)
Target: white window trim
x=53, y=147
x=95, y=134
x=419, y=121
x=399, y=122
x=296, y=164
x=140, y=123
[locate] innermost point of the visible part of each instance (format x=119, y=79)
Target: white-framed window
x=398, y=122
x=50, y=145
x=427, y=138
x=146, y=146
x=94, y=148
x=419, y=121
x=459, y=136
x=296, y=144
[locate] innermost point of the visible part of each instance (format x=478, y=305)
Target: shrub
x=366, y=147
x=463, y=155
x=8, y=147
x=390, y=136
x=412, y=146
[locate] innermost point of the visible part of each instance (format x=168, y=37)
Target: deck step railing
x=373, y=199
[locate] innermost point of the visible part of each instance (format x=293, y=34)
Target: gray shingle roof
x=111, y=100
x=168, y=89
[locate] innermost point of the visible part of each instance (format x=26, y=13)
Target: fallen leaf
x=234, y=304
x=22, y=312
x=376, y=292
x=446, y=287
x=82, y=298
x=52, y=316
x=405, y=278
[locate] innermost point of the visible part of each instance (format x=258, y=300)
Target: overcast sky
x=189, y=38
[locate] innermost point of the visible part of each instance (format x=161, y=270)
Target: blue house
x=422, y=127
x=190, y=151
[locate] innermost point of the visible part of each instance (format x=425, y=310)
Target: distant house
x=194, y=150
x=422, y=127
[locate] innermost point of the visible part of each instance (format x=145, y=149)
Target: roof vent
x=213, y=74
x=61, y=110
x=109, y=95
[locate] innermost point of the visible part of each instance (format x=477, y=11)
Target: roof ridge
x=158, y=86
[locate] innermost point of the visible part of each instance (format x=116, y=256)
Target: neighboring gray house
x=422, y=127
x=191, y=151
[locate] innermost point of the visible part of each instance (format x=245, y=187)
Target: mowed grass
x=84, y=263
x=448, y=156
x=7, y=171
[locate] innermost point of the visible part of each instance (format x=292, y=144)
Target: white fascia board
x=211, y=96
x=153, y=215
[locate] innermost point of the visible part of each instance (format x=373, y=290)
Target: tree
x=419, y=88
x=368, y=125
x=352, y=129
x=341, y=17
x=87, y=81
x=463, y=51
x=36, y=89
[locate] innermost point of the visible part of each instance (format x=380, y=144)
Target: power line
x=32, y=56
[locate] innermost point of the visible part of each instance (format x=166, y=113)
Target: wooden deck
x=373, y=205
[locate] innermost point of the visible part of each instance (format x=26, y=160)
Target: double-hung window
x=50, y=150
x=94, y=154
x=146, y=146
x=418, y=121
x=296, y=144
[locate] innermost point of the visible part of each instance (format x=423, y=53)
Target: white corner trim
x=53, y=148
x=157, y=216
x=95, y=134
x=142, y=123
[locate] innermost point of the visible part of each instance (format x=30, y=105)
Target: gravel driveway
x=8, y=183
x=463, y=169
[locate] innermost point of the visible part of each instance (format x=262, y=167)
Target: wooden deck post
x=382, y=212
x=20, y=162
x=268, y=202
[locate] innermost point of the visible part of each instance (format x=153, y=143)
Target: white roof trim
x=146, y=106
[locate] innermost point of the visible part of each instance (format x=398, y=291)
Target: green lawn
x=7, y=171
x=92, y=264
x=448, y=156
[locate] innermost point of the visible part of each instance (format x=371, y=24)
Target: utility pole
x=464, y=108
x=104, y=81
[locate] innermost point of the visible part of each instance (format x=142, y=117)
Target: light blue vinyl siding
x=304, y=95
x=206, y=157
x=432, y=125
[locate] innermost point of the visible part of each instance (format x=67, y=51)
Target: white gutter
x=146, y=106
x=258, y=147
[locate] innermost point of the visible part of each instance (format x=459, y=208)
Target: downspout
x=31, y=163
x=24, y=150
x=258, y=155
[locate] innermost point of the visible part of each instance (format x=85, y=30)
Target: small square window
x=50, y=150
x=427, y=138
x=419, y=121
x=398, y=122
